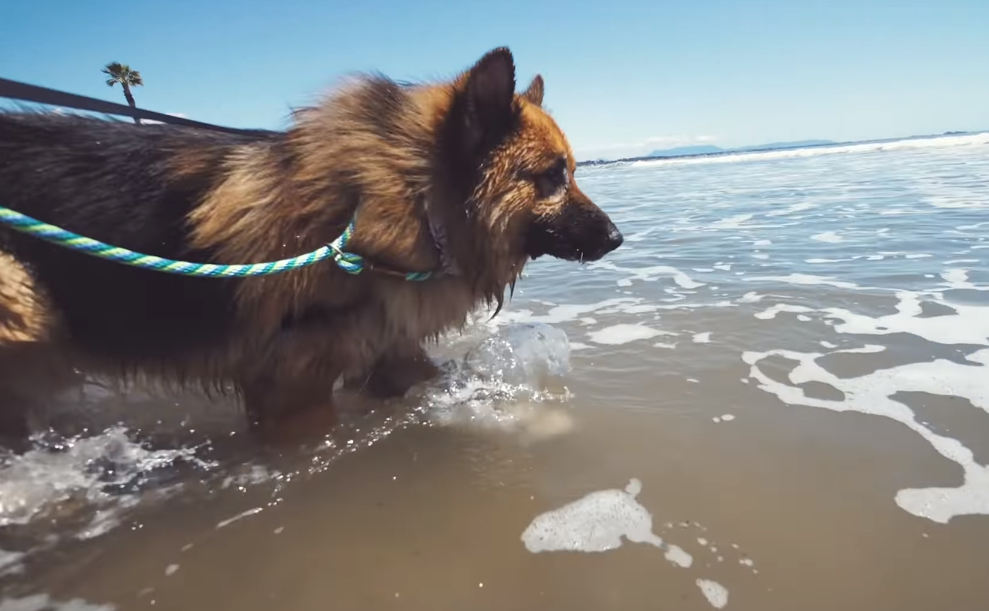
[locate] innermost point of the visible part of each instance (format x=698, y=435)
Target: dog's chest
x=420, y=310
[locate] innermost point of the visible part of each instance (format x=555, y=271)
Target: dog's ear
x=489, y=97
x=534, y=93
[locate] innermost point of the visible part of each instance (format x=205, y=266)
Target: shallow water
x=773, y=397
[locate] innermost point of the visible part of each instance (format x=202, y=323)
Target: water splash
x=504, y=381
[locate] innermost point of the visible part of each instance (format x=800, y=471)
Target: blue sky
x=622, y=77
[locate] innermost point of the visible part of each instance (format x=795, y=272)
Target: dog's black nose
x=615, y=238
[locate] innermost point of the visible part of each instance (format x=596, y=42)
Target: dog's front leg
x=394, y=373
x=270, y=401
x=292, y=379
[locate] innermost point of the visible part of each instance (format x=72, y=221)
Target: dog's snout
x=615, y=237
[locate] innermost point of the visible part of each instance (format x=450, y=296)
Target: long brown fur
x=466, y=177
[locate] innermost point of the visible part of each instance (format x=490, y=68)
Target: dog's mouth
x=573, y=237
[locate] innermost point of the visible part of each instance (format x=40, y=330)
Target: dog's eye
x=551, y=181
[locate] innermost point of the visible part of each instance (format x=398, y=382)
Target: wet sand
x=789, y=487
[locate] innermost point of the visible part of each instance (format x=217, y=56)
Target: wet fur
x=463, y=175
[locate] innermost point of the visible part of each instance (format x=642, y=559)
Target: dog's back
x=111, y=181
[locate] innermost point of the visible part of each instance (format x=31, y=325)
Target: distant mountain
x=785, y=145
x=682, y=151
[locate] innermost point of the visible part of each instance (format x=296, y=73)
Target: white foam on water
x=827, y=236
x=715, y=593
x=43, y=602
x=702, y=338
x=968, y=325
x=800, y=207
x=804, y=279
x=80, y=467
x=957, y=278
x=597, y=522
x=171, y=570
x=823, y=260
x=771, y=312
x=649, y=274
x=11, y=562
x=872, y=394
x=727, y=418
x=638, y=237
x=733, y=222
x=560, y=313
x=624, y=333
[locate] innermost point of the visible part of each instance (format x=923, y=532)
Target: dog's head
x=521, y=167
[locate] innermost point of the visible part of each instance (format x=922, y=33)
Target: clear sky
x=622, y=77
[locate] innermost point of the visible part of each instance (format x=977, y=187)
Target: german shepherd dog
x=466, y=178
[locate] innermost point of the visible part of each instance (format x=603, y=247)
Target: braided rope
x=348, y=262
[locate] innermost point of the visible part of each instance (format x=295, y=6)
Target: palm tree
x=121, y=73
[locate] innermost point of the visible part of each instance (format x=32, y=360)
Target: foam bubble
x=715, y=593
x=596, y=523
x=702, y=338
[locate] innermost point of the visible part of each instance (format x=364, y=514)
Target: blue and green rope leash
x=348, y=262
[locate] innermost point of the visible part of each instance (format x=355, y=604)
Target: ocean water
x=773, y=396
